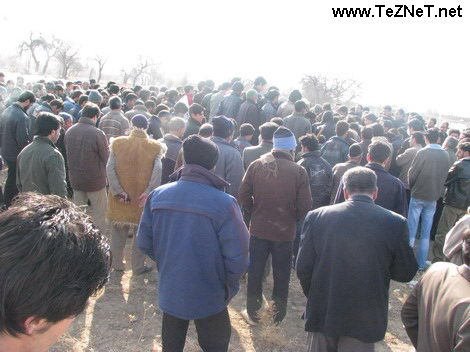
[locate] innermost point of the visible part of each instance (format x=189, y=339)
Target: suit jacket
x=250, y=154
x=436, y=315
x=349, y=254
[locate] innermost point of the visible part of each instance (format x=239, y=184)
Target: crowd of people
x=229, y=183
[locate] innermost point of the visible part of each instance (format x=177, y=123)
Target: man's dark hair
x=75, y=94
x=48, y=97
x=342, y=127
x=201, y=85
x=83, y=98
x=464, y=146
x=52, y=259
x=150, y=104
x=57, y=103
x=225, y=86
x=115, y=103
x=272, y=94
x=360, y=180
x=466, y=246
x=163, y=114
x=419, y=138
x=294, y=96
x=379, y=151
x=327, y=116
x=326, y=107
x=180, y=108
x=259, y=81
x=454, y=130
x=416, y=124
x=130, y=96
x=367, y=133
x=377, y=129
x=246, y=129
x=266, y=130
x=300, y=105
x=113, y=89
x=200, y=151
x=206, y=130
x=46, y=122
x=433, y=135
x=196, y=109
x=310, y=142
x=278, y=121
x=188, y=88
x=161, y=107
x=27, y=95
x=90, y=110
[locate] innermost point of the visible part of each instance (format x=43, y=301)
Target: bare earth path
x=125, y=318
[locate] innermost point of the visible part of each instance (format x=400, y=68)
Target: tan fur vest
x=135, y=156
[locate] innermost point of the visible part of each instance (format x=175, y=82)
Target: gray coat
x=250, y=154
x=428, y=173
x=173, y=145
x=298, y=124
x=229, y=165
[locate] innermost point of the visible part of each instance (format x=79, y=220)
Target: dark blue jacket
x=230, y=105
x=335, y=150
x=14, y=132
x=392, y=192
x=196, y=234
x=320, y=177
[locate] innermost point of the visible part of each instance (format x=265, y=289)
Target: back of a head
x=416, y=124
x=267, y=130
x=196, y=109
x=237, y=87
x=379, y=151
x=295, y=95
x=360, y=180
x=377, y=129
x=180, y=108
x=200, y=151
x=27, y=95
x=223, y=126
x=66, y=259
x=466, y=246
x=206, y=130
x=367, y=133
x=419, y=138
x=46, y=122
x=115, y=103
x=355, y=150
x=246, y=129
x=310, y=142
x=259, y=81
x=342, y=127
x=113, y=89
x=284, y=140
x=327, y=116
x=451, y=143
x=176, y=124
x=90, y=110
x=432, y=135
x=300, y=106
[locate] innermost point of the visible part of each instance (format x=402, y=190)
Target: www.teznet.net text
x=397, y=11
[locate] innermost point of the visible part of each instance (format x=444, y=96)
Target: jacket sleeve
x=453, y=241
x=156, y=178
x=304, y=195
x=145, y=230
x=245, y=194
x=404, y=265
x=114, y=185
x=453, y=174
x=234, y=172
x=234, y=238
x=405, y=158
x=463, y=333
x=409, y=315
x=22, y=134
x=415, y=168
x=339, y=193
x=402, y=200
x=103, y=148
x=306, y=257
x=55, y=168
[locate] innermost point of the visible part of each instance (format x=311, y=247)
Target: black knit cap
x=200, y=151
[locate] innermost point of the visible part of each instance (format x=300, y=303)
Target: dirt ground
x=125, y=318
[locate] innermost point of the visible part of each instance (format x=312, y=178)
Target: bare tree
x=31, y=45
x=318, y=89
x=49, y=48
x=139, y=70
x=125, y=76
x=68, y=59
x=101, y=61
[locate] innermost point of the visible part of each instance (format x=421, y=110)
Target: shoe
x=251, y=318
x=141, y=271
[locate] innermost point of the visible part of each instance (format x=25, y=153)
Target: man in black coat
x=349, y=254
x=14, y=134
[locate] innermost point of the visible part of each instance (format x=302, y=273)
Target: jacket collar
x=196, y=122
x=375, y=167
x=280, y=154
x=315, y=153
x=361, y=198
x=138, y=133
x=40, y=139
x=86, y=120
x=222, y=141
x=171, y=138
x=266, y=143
x=464, y=270
x=199, y=174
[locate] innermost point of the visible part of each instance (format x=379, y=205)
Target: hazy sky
x=419, y=64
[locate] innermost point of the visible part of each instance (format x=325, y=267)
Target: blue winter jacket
x=196, y=234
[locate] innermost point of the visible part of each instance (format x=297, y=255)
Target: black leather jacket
x=458, y=185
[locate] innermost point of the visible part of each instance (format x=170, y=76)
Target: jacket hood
x=199, y=174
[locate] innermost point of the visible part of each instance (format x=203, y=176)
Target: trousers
x=119, y=236
x=213, y=332
x=318, y=342
x=96, y=204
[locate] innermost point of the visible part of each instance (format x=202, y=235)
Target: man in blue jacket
x=196, y=234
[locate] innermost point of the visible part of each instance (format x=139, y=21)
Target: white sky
x=418, y=64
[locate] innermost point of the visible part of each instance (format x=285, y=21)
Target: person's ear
x=34, y=325
x=368, y=158
x=375, y=194
x=346, y=194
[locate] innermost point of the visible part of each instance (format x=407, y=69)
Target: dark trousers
x=213, y=332
x=281, y=253
x=10, y=185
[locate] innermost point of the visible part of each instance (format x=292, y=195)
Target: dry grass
x=125, y=318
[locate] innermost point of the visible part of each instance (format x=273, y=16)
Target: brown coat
x=436, y=315
x=275, y=193
x=87, y=154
